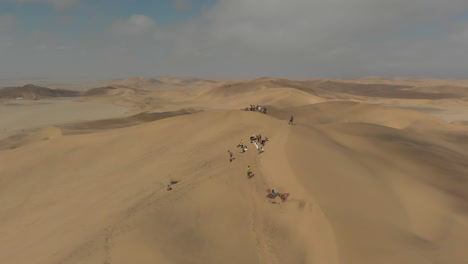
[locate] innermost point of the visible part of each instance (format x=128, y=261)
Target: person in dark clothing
x=291, y=120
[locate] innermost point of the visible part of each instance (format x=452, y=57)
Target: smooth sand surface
x=19, y=115
x=447, y=113
x=366, y=183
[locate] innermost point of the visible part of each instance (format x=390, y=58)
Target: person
x=230, y=155
x=241, y=144
x=249, y=172
x=291, y=120
x=244, y=149
x=272, y=193
x=264, y=110
x=263, y=142
x=172, y=182
x=283, y=196
x=169, y=187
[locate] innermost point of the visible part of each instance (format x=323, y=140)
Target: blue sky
x=100, y=39
x=91, y=14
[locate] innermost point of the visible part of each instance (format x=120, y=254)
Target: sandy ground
x=447, y=113
x=19, y=115
x=366, y=183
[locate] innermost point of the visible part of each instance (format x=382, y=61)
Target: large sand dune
x=367, y=183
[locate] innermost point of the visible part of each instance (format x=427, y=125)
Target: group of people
x=272, y=194
x=258, y=138
x=242, y=146
x=257, y=108
x=172, y=182
x=259, y=143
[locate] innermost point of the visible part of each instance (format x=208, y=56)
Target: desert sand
x=376, y=171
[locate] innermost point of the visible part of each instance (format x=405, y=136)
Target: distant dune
x=33, y=92
x=352, y=112
x=99, y=91
x=372, y=174
x=161, y=83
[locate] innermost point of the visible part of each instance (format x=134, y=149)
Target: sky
x=106, y=39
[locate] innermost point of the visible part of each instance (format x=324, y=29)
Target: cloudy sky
x=102, y=39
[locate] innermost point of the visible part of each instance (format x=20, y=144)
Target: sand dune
x=164, y=83
x=352, y=112
x=367, y=183
x=33, y=92
x=19, y=116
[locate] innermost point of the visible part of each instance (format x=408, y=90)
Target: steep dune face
x=389, y=197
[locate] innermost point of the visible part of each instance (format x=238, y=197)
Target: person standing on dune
x=230, y=155
x=291, y=120
x=249, y=172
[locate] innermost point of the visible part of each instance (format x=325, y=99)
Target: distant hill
x=383, y=91
x=99, y=91
x=161, y=83
x=33, y=92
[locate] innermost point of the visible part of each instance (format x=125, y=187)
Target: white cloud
x=136, y=24
x=59, y=4
x=295, y=38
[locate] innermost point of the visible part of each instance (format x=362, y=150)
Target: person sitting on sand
x=249, y=171
x=272, y=194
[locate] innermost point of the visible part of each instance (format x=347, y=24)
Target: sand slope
x=367, y=183
x=360, y=193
